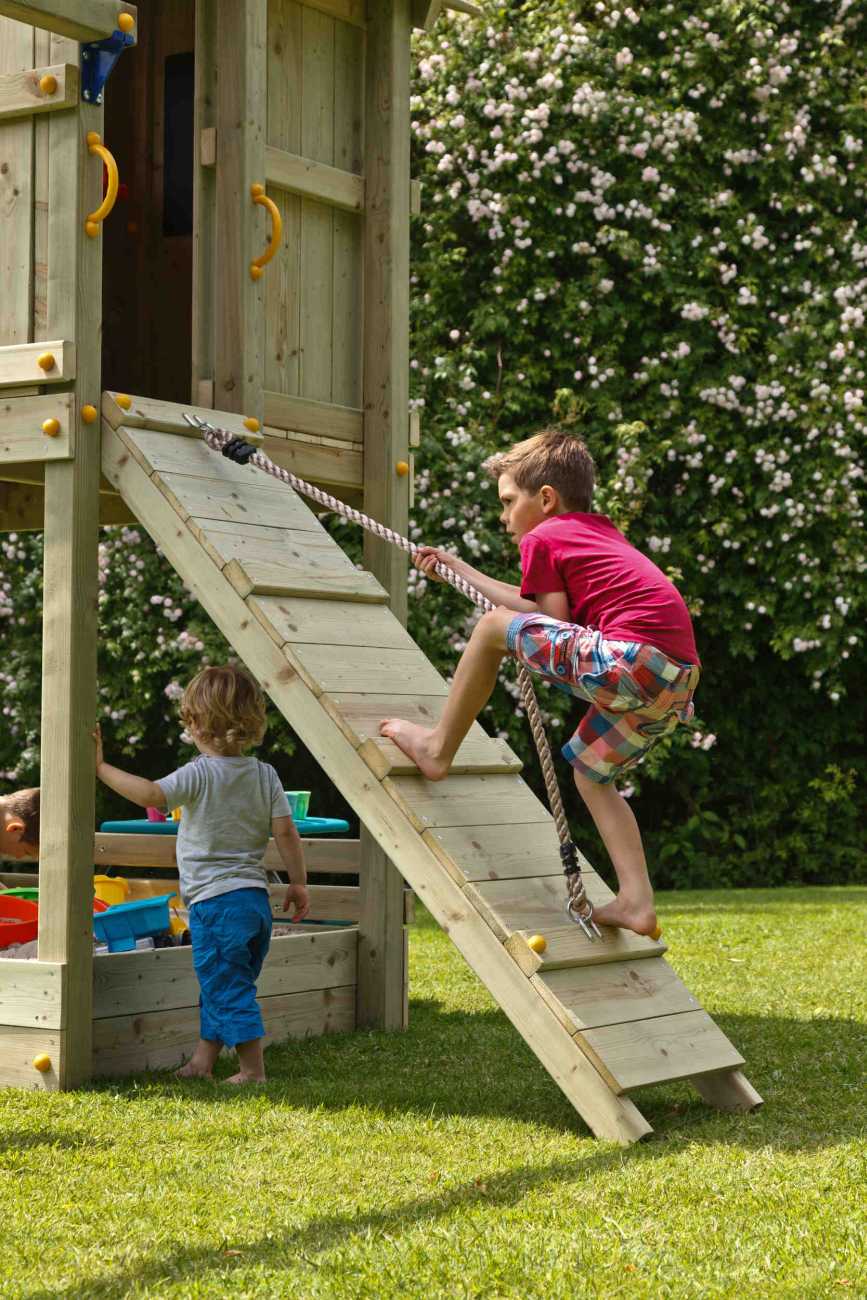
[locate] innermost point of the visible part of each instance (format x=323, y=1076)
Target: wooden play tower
x=205, y=206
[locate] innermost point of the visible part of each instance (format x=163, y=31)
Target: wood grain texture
x=32, y=994
x=22, y=96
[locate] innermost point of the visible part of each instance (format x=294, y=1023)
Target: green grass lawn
x=445, y=1163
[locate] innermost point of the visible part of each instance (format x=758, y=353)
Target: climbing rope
x=578, y=906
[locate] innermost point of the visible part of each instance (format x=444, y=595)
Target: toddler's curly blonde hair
x=225, y=708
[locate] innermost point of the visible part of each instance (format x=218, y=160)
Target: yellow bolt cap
x=123, y=400
x=125, y=22
x=537, y=942
x=91, y=229
x=657, y=933
x=252, y=424
x=93, y=137
x=46, y=361
x=88, y=413
x=51, y=427
x=255, y=272
x=256, y=190
x=48, y=84
x=402, y=468
x=42, y=1063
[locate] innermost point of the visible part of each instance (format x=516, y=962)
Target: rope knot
x=569, y=858
x=239, y=450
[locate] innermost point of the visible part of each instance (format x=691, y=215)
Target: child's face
x=11, y=843
x=522, y=510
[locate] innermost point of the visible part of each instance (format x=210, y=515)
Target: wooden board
x=164, y=979
x=21, y=435
x=296, y=621
x=81, y=20
x=346, y=11
x=359, y=716
x=310, y=576
x=589, y=997
x=209, y=499
x=330, y=464
x=168, y=417
x=158, y=454
x=21, y=94
x=159, y=1040
x=16, y=195
x=659, y=1050
x=333, y=856
x=471, y=853
x=19, y=363
x=569, y=946
x=328, y=668
x=19, y=1046
x=324, y=419
x=315, y=180
x=464, y=800
x=31, y=993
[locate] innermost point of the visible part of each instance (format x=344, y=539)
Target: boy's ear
x=15, y=829
x=549, y=498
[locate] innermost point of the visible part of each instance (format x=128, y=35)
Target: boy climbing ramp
x=593, y=615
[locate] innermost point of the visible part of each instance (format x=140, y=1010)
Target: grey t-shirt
x=228, y=804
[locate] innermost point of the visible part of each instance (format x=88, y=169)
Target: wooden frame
x=79, y=20
x=22, y=95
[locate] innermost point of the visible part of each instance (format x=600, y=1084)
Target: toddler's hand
x=297, y=894
x=97, y=740
x=427, y=558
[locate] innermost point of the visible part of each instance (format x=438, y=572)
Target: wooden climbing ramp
x=478, y=848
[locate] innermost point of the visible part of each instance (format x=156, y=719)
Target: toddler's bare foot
x=417, y=743
x=192, y=1070
x=638, y=917
x=243, y=1076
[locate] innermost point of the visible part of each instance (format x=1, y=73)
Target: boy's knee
x=491, y=627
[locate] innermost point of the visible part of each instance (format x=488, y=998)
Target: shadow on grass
x=24, y=1140
x=474, y=1064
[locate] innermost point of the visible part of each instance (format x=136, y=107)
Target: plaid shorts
x=637, y=694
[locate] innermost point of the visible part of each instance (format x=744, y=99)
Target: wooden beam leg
x=382, y=970
x=729, y=1090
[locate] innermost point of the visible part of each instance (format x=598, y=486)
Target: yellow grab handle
x=95, y=220
x=258, y=195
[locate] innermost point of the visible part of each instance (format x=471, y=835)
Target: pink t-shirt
x=611, y=586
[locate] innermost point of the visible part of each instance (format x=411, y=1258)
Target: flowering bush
x=645, y=221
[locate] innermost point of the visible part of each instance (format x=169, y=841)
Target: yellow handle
x=258, y=195
x=95, y=220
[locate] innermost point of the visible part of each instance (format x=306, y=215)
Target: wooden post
x=381, y=963
x=241, y=231
x=74, y=311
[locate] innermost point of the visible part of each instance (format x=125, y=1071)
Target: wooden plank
x=19, y=1046
x=317, y=225
x=19, y=363
x=314, y=180
x=21, y=434
x=589, y=997
x=22, y=507
x=21, y=95
x=159, y=1040
x=337, y=856
x=296, y=620
x=204, y=271
x=16, y=196
x=240, y=224
x=164, y=979
x=359, y=716
x=334, y=466
x=41, y=196
x=348, y=274
x=662, y=1049
x=425, y=13
x=464, y=800
x=159, y=454
x=375, y=672
x=323, y=581
x=203, y=499
x=607, y=1114
x=79, y=20
x=535, y=905
x=382, y=989
x=346, y=11
x=325, y=419
x=283, y=281
x=475, y=853
x=569, y=946
x=31, y=993
x=168, y=417
x=729, y=1090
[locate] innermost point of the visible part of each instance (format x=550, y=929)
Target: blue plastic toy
x=124, y=923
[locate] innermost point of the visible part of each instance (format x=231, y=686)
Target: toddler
x=230, y=804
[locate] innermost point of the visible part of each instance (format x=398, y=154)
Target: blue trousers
x=231, y=935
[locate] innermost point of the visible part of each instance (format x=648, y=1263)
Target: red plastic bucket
x=19, y=920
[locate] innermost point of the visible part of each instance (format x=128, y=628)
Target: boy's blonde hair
x=551, y=457
x=226, y=709
x=23, y=806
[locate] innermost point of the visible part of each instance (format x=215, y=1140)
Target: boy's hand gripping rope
x=578, y=906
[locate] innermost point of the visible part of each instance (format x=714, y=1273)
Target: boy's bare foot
x=638, y=917
x=244, y=1077
x=417, y=743
x=193, y=1071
